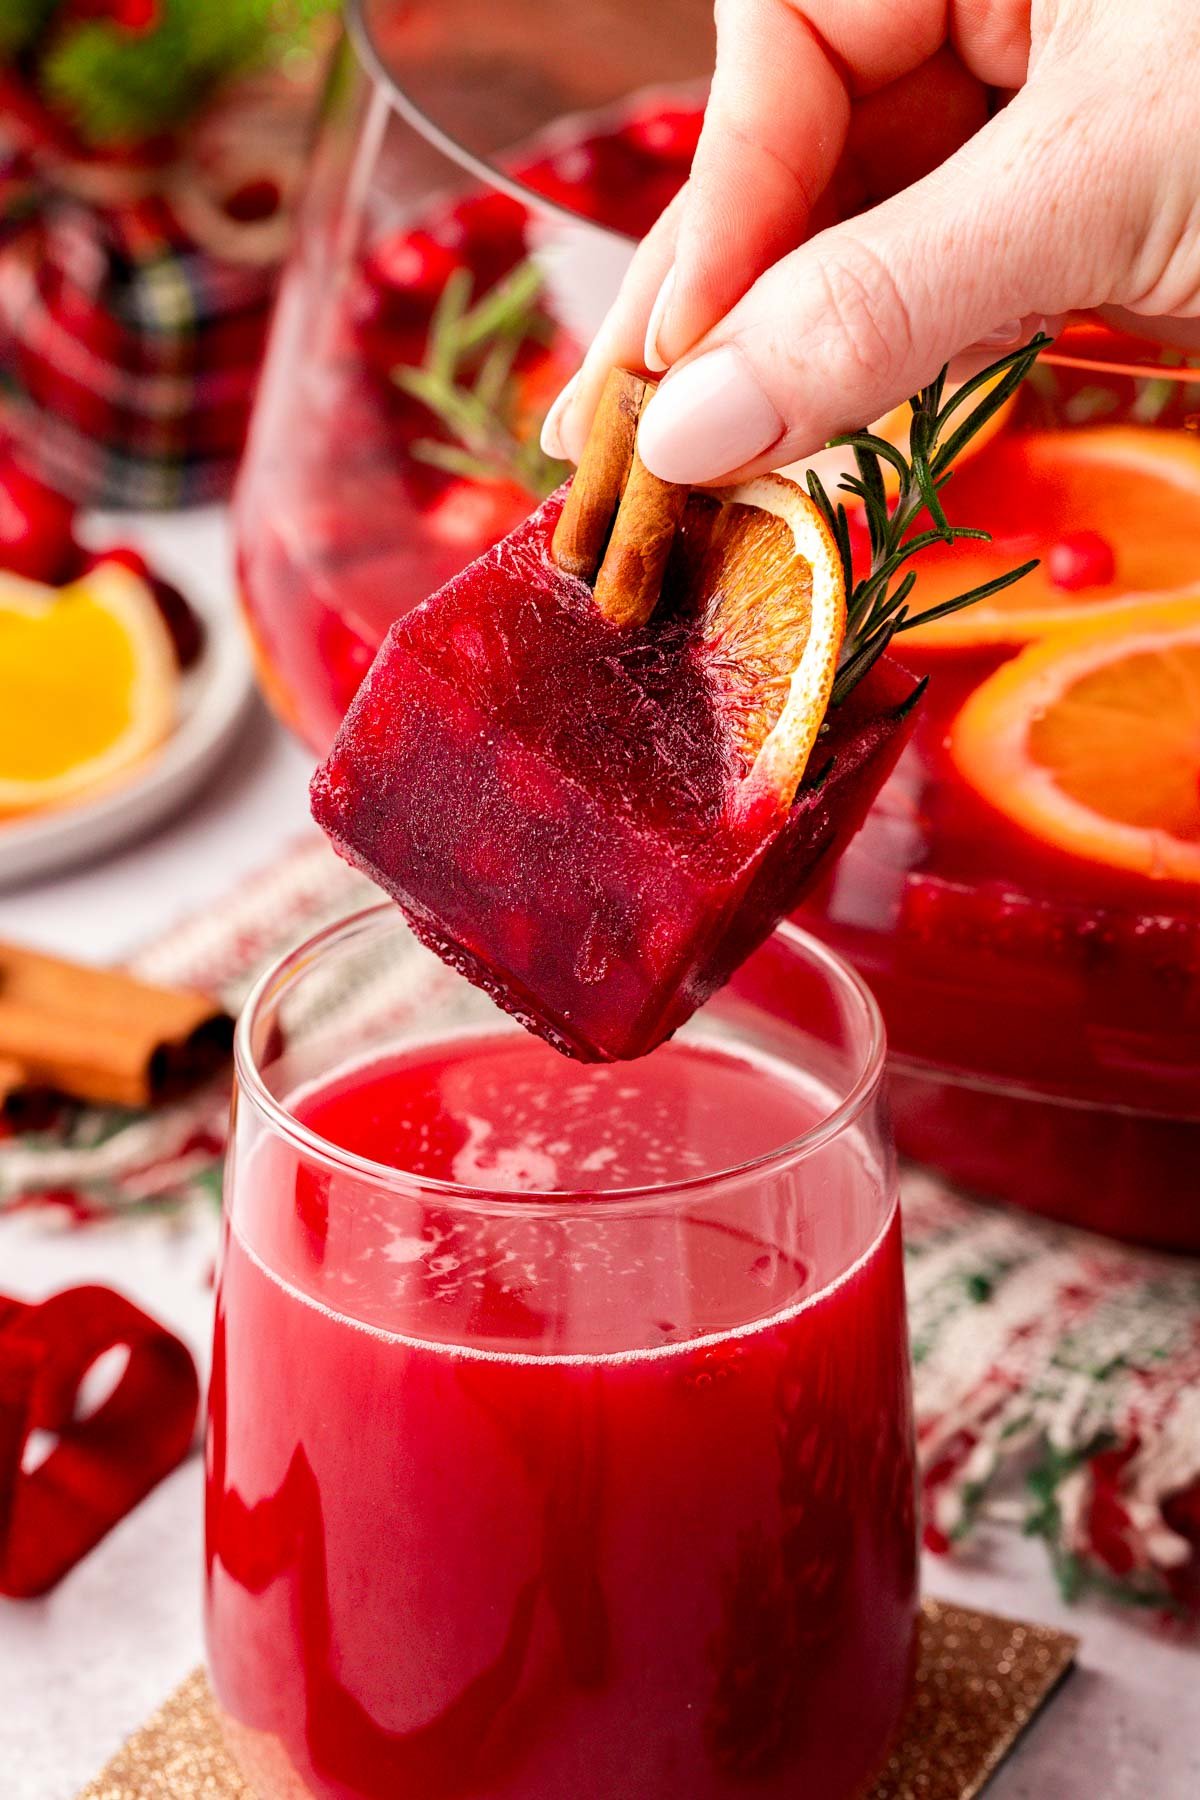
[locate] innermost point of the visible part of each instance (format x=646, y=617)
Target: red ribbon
x=102, y=1465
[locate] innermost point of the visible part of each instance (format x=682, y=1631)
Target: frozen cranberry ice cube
x=597, y=821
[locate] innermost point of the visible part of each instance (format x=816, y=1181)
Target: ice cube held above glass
x=599, y=765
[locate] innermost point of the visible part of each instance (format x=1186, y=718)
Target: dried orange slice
x=1134, y=491
x=88, y=684
x=1090, y=740
x=770, y=601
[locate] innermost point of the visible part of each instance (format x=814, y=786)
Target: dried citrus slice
x=770, y=600
x=88, y=684
x=1112, y=512
x=832, y=464
x=1090, y=740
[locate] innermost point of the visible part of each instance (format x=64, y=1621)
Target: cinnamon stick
x=582, y=530
x=619, y=520
x=631, y=575
x=100, y=1035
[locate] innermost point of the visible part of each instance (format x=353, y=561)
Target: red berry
x=1081, y=559
x=254, y=201
x=413, y=265
x=667, y=133
x=37, y=537
x=602, y=178
x=185, y=628
x=488, y=232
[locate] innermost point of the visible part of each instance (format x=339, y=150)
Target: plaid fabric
x=1056, y=1375
x=128, y=352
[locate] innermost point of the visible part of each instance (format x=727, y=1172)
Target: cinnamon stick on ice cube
x=619, y=520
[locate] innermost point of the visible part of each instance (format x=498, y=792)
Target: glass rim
x=549, y=1202
x=358, y=32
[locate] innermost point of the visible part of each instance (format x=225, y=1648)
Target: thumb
x=860, y=317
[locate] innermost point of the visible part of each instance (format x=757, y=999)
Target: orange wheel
x=1090, y=740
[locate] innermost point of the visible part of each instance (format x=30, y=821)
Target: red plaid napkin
x=133, y=306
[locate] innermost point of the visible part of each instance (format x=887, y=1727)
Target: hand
x=863, y=206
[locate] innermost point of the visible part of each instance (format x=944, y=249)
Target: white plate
x=214, y=701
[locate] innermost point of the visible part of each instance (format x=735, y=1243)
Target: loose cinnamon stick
x=102, y=1036
x=615, y=498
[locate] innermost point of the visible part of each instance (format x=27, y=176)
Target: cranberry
x=254, y=201
x=472, y=515
x=412, y=266
x=488, y=232
x=667, y=133
x=37, y=537
x=1080, y=559
x=602, y=178
x=185, y=628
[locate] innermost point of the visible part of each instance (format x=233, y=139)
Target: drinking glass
x=480, y=176
x=560, y=1438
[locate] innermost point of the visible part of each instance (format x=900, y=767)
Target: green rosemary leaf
x=983, y=592
x=468, y=382
x=445, y=327
x=912, y=519
x=504, y=308
x=867, y=653
x=1015, y=367
x=495, y=372
x=874, y=446
x=455, y=459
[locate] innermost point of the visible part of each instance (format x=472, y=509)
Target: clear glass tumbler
x=560, y=1437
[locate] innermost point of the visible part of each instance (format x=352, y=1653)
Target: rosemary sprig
x=877, y=602
x=467, y=381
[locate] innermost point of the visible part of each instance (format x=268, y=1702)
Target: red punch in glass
x=560, y=1437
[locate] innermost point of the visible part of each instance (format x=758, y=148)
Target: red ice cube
x=548, y=799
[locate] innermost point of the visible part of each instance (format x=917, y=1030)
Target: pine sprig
x=467, y=381
x=877, y=602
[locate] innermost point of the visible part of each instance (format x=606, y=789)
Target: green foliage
x=877, y=600
x=467, y=382
x=20, y=23
x=117, y=86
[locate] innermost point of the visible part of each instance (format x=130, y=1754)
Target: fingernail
x=1008, y=333
x=655, y=361
x=552, y=443
x=707, y=419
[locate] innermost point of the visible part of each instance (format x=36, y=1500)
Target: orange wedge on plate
x=1132, y=491
x=771, y=610
x=88, y=685
x=1090, y=740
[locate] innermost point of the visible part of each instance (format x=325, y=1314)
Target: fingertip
x=652, y=354
x=553, y=439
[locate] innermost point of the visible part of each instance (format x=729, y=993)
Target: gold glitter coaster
x=979, y=1682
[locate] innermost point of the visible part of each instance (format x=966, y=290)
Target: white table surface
x=81, y=1668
